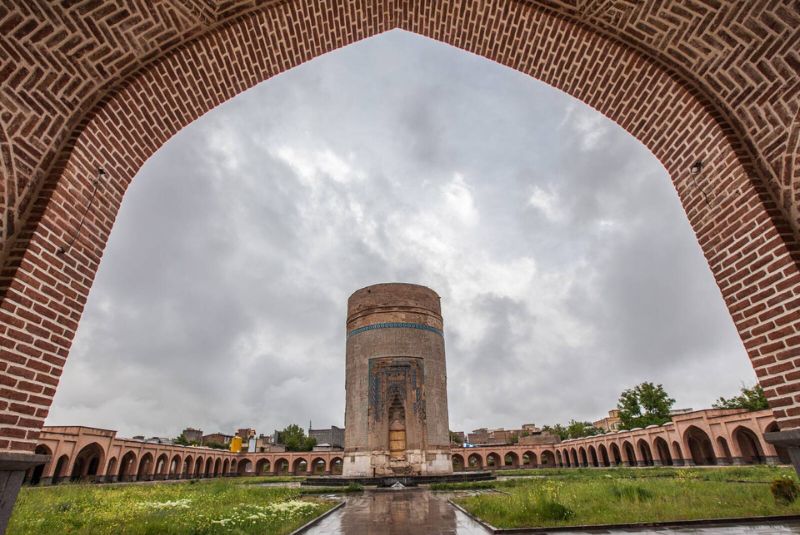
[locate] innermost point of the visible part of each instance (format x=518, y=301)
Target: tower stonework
x=396, y=419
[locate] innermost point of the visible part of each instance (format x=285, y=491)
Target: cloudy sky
x=567, y=269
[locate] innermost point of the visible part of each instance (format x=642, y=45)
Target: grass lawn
x=209, y=507
x=618, y=496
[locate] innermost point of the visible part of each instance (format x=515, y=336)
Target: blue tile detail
x=395, y=325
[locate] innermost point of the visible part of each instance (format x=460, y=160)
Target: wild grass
x=211, y=508
x=619, y=496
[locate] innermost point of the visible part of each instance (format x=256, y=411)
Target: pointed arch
x=458, y=462
x=300, y=466
x=510, y=460
x=752, y=452
x=603, y=455
x=162, y=466
x=262, y=466
x=88, y=463
x=188, y=467
x=127, y=467
x=645, y=453
x=318, y=466
x=145, y=471
x=662, y=448
x=629, y=454
x=197, y=470
x=33, y=476
x=281, y=466
x=244, y=467
x=699, y=445
x=336, y=466
x=593, y=456
x=175, y=467
x=475, y=461
x=616, y=454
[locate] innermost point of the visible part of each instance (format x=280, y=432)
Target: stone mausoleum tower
x=396, y=411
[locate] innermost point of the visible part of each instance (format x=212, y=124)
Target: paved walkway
x=397, y=512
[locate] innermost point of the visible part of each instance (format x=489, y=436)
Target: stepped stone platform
x=406, y=481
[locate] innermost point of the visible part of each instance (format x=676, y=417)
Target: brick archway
x=677, y=100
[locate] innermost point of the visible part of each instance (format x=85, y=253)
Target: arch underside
x=745, y=234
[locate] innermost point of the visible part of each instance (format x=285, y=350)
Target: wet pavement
x=397, y=512
x=417, y=511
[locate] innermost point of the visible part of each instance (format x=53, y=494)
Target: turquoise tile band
x=395, y=325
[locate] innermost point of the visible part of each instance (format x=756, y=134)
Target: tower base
x=381, y=464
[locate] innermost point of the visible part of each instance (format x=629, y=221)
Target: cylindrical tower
x=396, y=381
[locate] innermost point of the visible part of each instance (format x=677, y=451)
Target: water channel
x=421, y=512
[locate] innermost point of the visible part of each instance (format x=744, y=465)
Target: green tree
x=215, y=445
x=295, y=439
x=643, y=405
x=455, y=438
x=181, y=440
x=576, y=429
x=558, y=430
x=752, y=399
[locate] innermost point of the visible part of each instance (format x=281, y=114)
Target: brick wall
x=86, y=84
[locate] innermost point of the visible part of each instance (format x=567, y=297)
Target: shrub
x=354, y=487
x=784, y=490
x=552, y=510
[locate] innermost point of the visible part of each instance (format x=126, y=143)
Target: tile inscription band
x=395, y=325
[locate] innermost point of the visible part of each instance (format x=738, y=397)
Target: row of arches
x=696, y=448
x=90, y=464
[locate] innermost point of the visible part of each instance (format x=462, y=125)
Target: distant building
x=493, y=436
x=538, y=438
x=246, y=433
x=530, y=428
x=217, y=438
x=612, y=421
x=333, y=437
x=193, y=435
x=266, y=444
x=609, y=423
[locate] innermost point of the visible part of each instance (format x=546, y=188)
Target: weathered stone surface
x=396, y=418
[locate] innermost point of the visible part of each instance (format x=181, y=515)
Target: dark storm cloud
x=566, y=267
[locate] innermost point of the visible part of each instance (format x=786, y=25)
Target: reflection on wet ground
x=416, y=511
x=397, y=512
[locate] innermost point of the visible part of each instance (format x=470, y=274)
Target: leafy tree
x=577, y=429
x=558, y=430
x=643, y=405
x=181, y=440
x=455, y=438
x=574, y=429
x=752, y=399
x=216, y=445
x=295, y=439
